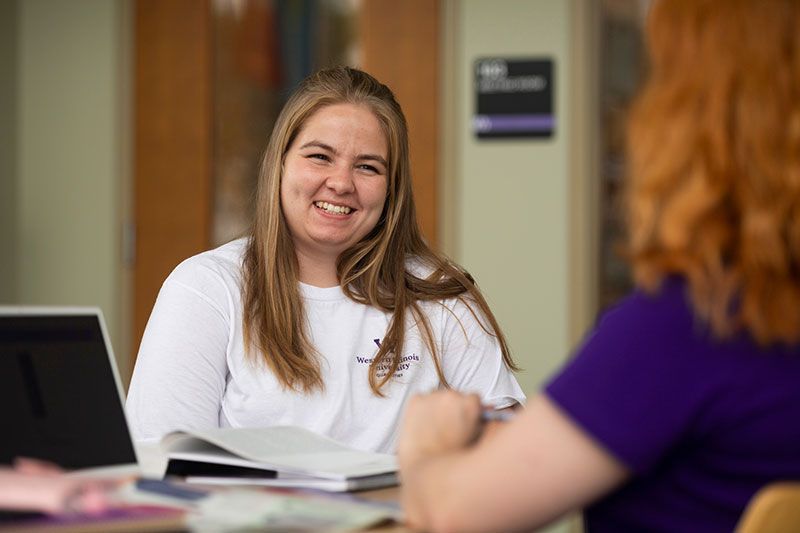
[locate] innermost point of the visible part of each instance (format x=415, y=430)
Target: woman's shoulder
x=419, y=267
x=424, y=267
x=461, y=307
x=224, y=261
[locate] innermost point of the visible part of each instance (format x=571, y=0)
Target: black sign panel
x=514, y=98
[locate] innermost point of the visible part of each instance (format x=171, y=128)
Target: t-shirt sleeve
x=181, y=367
x=471, y=358
x=633, y=386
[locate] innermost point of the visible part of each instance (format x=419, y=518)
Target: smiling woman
x=333, y=311
x=334, y=187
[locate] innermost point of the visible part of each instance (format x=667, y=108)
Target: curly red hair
x=713, y=189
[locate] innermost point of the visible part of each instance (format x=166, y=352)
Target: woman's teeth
x=333, y=209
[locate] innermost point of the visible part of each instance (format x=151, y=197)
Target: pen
x=165, y=488
x=502, y=415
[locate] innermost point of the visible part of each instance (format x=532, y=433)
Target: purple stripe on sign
x=512, y=123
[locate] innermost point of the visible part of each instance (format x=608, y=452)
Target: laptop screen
x=59, y=394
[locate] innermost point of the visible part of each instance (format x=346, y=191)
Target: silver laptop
x=61, y=397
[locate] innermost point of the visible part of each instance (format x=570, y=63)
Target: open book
x=278, y=456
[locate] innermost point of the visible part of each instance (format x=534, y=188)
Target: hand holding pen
x=444, y=421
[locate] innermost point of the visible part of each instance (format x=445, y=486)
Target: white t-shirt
x=192, y=372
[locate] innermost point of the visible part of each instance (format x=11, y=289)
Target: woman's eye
x=321, y=157
x=369, y=168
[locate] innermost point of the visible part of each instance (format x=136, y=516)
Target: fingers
x=438, y=422
x=27, y=465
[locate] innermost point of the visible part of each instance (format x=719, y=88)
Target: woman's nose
x=340, y=180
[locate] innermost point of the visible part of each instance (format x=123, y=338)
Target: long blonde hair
x=373, y=272
x=714, y=162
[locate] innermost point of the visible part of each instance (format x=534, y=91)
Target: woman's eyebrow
x=371, y=157
x=319, y=144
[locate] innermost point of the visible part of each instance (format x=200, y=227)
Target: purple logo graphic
x=384, y=367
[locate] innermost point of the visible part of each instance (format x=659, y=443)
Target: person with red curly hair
x=683, y=401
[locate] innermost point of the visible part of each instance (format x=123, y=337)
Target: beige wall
x=518, y=214
x=9, y=13
x=68, y=173
x=507, y=201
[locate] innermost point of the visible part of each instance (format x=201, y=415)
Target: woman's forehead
x=345, y=121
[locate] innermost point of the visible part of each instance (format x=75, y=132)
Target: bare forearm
x=522, y=475
x=467, y=490
x=431, y=490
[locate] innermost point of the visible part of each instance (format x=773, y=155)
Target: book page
x=285, y=448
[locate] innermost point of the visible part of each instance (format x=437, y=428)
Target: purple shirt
x=701, y=423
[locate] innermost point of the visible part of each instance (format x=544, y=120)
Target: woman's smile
x=333, y=209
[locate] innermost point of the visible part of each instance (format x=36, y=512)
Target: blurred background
x=131, y=132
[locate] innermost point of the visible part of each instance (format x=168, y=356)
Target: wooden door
x=172, y=143
x=400, y=46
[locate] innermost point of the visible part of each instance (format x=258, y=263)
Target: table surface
x=153, y=464
x=166, y=521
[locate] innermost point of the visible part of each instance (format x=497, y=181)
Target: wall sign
x=514, y=98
